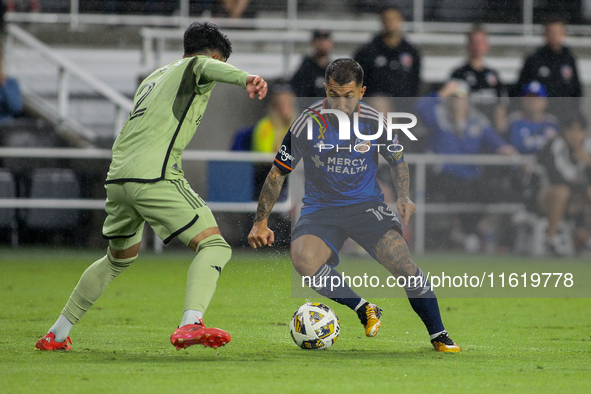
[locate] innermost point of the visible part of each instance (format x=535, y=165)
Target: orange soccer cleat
x=370, y=314
x=48, y=343
x=443, y=343
x=198, y=334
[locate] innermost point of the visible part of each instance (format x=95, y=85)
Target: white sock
x=363, y=301
x=61, y=328
x=191, y=317
x=437, y=334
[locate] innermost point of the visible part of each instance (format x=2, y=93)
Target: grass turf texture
x=122, y=345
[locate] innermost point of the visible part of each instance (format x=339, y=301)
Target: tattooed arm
x=401, y=179
x=260, y=234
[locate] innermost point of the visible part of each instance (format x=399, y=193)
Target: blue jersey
x=337, y=172
x=528, y=136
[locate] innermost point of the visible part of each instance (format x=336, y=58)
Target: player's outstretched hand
x=260, y=235
x=256, y=84
x=405, y=208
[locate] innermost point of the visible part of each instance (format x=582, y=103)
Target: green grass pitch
x=122, y=345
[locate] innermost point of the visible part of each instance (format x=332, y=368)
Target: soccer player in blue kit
x=343, y=200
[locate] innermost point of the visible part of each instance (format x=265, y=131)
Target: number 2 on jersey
x=137, y=112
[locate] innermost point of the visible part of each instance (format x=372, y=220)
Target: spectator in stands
x=308, y=81
x=455, y=128
x=566, y=168
x=11, y=103
x=531, y=128
x=391, y=64
x=554, y=66
x=487, y=93
x=268, y=132
x=30, y=6
x=232, y=9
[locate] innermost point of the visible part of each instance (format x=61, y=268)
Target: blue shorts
x=364, y=223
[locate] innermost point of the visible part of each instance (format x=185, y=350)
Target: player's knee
x=130, y=252
x=394, y=255
x=118, y=265
x=298, y=264
x=305, y=260
x=216, y=246
x=299, y=256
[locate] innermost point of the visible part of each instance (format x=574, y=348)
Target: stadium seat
x=26, y=135
x=7, y=190
x=243, y=139
x=53, y=183
x=8, y=215
x=230, y=181
x=233, y=181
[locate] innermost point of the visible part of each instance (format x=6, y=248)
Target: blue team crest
x=362, y=146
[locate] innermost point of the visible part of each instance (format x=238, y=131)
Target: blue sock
x=424, y=303
x=324, y=285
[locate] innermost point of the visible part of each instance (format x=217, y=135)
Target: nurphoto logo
x=363, y=141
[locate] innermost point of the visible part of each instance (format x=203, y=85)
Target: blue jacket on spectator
x=476, y=136
x=11, y=102
x=528, y=136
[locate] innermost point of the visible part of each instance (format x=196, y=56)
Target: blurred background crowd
x=524, y=103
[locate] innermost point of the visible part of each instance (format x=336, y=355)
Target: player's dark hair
x=204, y=36
x=344, y=70
x=573, y=118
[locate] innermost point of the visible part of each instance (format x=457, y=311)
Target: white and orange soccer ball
x=314, y=326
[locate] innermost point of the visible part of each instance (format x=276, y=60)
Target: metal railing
x=417, y=23
x=66, y=71
x=419, y=161
x=154, y=40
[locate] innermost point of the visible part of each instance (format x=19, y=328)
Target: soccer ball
x=314, y=326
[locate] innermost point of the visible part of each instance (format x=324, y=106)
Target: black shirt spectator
x=308, y=81
x=553, y=65
x=485, y=85
x=391, y=64
x=487, y=93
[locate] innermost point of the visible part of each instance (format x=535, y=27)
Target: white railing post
x=63, y=93
x=288, y=47
x=8, y=47
x=292, y=13
x=158, y=244
x=160, y=43
x=146, y=56
x=418, y=15
x=420, y=216
x=184, y=14
x=120, y=118
x=528, y=17
x=74, y=14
